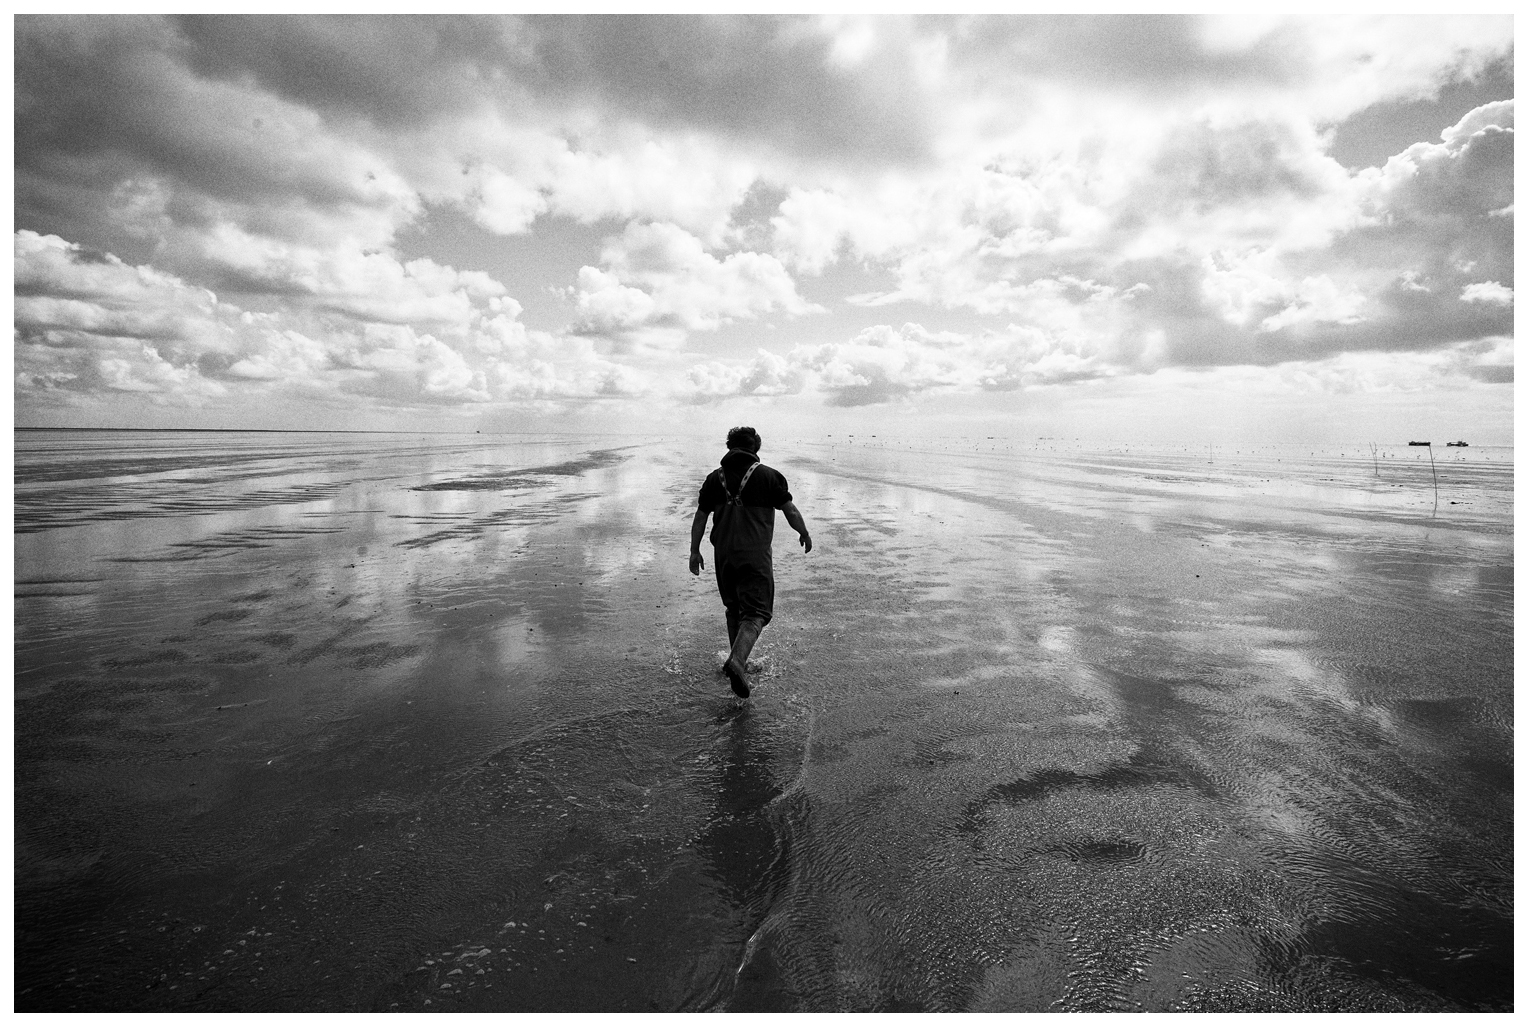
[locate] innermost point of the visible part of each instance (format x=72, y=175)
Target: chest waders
x=745, y=632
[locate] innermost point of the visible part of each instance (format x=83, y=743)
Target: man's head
x=744, y=438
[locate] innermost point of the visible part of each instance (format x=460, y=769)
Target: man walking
x=743, y=496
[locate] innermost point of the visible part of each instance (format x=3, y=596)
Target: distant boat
x=1416, y=443
x=1460, y=443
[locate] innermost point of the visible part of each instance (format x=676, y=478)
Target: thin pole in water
x=1435, y=471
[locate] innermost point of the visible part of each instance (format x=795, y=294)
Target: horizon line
x=294, y=431
x=851, y=435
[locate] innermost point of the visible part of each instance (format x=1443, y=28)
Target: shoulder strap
x=736, y=497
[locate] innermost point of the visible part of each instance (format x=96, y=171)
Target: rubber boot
x=732, y=627
x=737, y=666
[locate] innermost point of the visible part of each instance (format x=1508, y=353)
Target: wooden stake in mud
x=1435, y=471
x=1375, y=457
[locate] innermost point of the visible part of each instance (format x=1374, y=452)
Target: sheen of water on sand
x=351, y=722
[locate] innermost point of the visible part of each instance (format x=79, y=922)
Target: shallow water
x=356, y=722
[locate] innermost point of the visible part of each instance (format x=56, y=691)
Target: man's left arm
x=794, y=519
x=697, y=533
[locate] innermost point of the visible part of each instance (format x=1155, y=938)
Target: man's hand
x=806, y=541
x=697, y=562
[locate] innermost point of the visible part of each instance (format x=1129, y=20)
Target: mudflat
x=357, y=722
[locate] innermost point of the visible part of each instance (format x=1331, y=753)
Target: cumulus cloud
x=506, y=174
x=880, y=364
x=1409, y=257
x=88, y=323
x=767, y=374
x=1488, y=292
x=883, y=363
x=1230, y=244
x=659, y=279
x=85, y=321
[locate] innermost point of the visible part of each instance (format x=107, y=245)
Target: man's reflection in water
x=747, y=846
x=740, y=841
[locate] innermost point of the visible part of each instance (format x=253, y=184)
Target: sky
x=1159, y=228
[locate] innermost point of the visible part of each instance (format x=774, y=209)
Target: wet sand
x=357, y=722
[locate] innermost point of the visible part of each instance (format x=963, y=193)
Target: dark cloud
x=761, y=78
x=1200, y=168
x=1444, y=225
x=1400, y=318
x=99, y=99
x=1144, y=52
x=1371, y=136
x=1403, y=320
x=118, y=143
x=749, y=223
x=394, y=71
x=1011, y=379
x=1471, y=182
x=1492, y=374
x=213, y=364
x=747, y=76
x=879, y=391
x=50, y=323
x=755, y=77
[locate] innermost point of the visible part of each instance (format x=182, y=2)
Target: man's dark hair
x=743, y=438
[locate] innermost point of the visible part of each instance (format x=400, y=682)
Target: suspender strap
x=737, y=497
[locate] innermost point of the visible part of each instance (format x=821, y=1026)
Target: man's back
x=747, y=525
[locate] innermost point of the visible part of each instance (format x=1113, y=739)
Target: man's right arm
x=794, y=519
x=697, y=533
